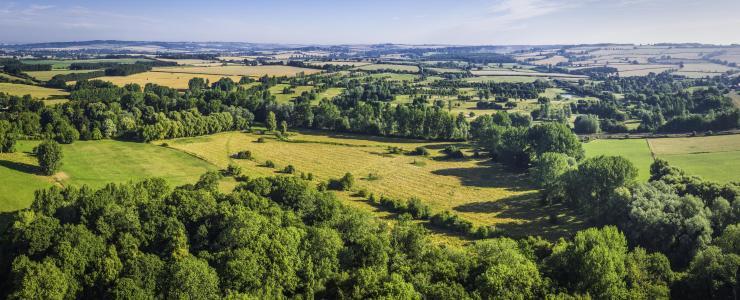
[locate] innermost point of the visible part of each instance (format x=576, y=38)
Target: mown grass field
x=93, y=163
x=714, y=158
x=635, y=150
x=516, y=79
x=277, y=91
x=173, y=80
x=256, y=71
x=476, y=189
x=46, y=75
x=374, y=67
x=34, y=91
x=65, y=63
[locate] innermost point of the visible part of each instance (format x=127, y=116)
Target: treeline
x=16, y=67
x=281, y=238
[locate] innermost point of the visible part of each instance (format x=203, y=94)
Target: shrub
x=260, y=140
x=417, y=209
x=423, y=151
x=232, y=170
x=165, y=145
x=269, y=164
x=453, y=152
x=245, y=154
x=289, y=169
x=452, y=222
x=395, y=150
x=372, y=176
x=342, y=184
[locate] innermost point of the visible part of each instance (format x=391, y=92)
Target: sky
x=459, y=22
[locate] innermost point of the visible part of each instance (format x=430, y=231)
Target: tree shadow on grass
x=488, y=174
x=21, y=167
x=528, y=215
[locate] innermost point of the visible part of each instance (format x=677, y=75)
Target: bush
x=395, y=150
x=307, y=176
x=422, y=151
x=232, y=170
x=453, y=152
x=342, y=184
x=372, y=176
x=452, y=222
x=289, y=169
x=245, y=154
x=269, y=164
x=260, y=140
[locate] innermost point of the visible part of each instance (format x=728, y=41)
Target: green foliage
x=244, y=154
x=270, y=121
x=289, y=169
x=49, y=155
x=586, y=124
x=342, y=184
x=421, y=151
x=7, y=137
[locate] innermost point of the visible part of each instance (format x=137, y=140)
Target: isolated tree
x=270, y=121
x=283, y=127
x=586, y=124
x=49, y=155
x=7, y=137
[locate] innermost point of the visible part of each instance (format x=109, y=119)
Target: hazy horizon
x=331, y=22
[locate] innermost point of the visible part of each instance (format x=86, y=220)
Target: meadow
x=65, y=63
x=636, y=151
x=256, y=71
x=35, y=91
x=173, y=80
x=46, y=75
x=375, y=67
x=93, y=163
x=483, y=192
x=715, y=158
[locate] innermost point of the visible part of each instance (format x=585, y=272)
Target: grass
x=34, y=91
x=395, y=76
x=173, y=80
x=65, y=63
x=635, y=150
x=47, y=75
x=277, y=91
x=374, y=67
x=715, y=158
x=256, y=71
x=330, y=93
x=93, y=163
x=515, y=79
x=476, y=189
x=18, y=171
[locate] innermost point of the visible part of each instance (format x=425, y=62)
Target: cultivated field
x=34, y=91
x=93, y=163
x=173, y=80
x=480, y=191
x=256, y=71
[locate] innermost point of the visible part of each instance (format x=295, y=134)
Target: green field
x=94, y=163
x=635, y=150
x=277, y=91
x=516, y=79
x=34, y=91
x=715, y=158
x=480, y=191
x=373, y=67
x=65, y=63
x=46, y=75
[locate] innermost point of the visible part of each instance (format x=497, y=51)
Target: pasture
x=714, y=158
x=277, y=91
x=47, y=75
x=65, y=63
x=478, y=190
x=375, y=67
x=35, y=91
x=636, y=151
x=255, y=71
x=93, y=163
x=514, y=79
x=173, y=80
